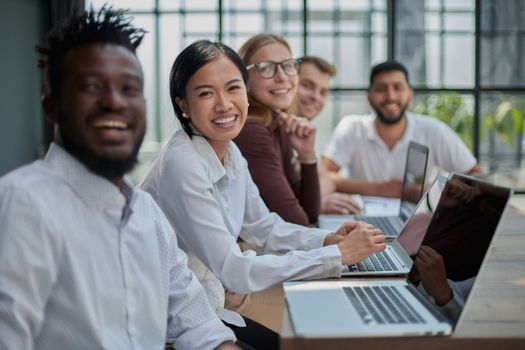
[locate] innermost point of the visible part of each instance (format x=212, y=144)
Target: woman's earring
x=184, y=115
x=248, y=104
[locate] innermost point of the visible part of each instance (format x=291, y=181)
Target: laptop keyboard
x=381, y=222
x=382, y=304
x=379, y=261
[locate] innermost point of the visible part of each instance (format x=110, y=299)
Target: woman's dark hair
x=188, y=62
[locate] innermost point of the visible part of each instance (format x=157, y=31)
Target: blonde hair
x=257, y=110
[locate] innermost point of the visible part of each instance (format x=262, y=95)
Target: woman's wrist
x=331, y=238
x=307, y=159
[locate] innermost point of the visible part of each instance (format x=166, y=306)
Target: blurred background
x=465, y=60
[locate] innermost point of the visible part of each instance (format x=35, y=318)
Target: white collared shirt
x=211, y=205
x=84, y=266
x=356, y=145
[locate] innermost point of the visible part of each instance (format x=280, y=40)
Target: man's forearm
x=329, y=168
x=390, y=188
x=347, y=185
x=474, y=170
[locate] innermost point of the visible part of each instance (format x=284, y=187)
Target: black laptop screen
x=458, y=236
x=415, y=228
x=462, y=227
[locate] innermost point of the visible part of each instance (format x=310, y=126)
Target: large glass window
x=466, y=62
x=465, y=59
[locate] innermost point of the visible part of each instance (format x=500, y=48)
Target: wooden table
x=494, y=317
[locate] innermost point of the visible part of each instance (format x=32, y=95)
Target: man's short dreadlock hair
x=107, y=26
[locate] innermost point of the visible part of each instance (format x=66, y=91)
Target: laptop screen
x=458, y=237
x=413, y=179
x=413, y=232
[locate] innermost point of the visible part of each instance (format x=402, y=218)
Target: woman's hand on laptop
x=346, y=228
x=360, y=242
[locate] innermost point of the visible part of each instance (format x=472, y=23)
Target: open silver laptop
x=396, y=258
x=411, y=192
x=468, y=211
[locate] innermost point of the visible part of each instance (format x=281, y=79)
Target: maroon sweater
x=292, y=193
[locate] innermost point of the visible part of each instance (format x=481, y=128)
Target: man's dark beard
x=105, y=167
x=390, y=121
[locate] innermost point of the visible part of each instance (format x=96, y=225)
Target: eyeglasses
x=268, y=69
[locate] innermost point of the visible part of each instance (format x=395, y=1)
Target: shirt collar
x=371, y=129
x=409, y=131
x=216, y=169
x=93, y=189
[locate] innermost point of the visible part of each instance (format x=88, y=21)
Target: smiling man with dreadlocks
x=86, y=260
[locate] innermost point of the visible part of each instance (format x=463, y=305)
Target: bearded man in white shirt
x=373, y=147
x=86, y=260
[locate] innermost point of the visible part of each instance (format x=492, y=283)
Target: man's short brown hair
x=321, y=64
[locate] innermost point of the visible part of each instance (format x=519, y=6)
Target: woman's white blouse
x=210, y=205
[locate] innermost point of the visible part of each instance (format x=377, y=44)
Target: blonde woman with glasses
x=278, y=145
